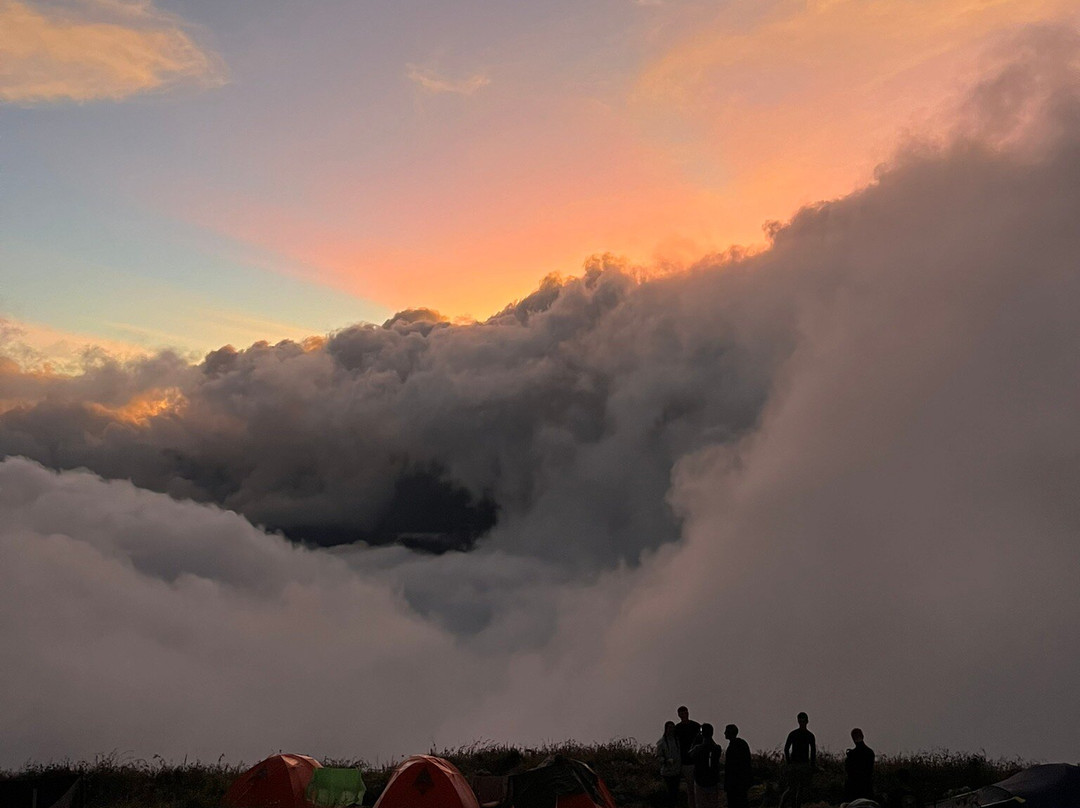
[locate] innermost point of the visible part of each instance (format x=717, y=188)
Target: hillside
x=628, y=767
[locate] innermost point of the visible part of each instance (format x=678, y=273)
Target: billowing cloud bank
x=837, y=476
x=550, y=430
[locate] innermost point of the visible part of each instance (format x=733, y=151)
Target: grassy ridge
x=629, y=768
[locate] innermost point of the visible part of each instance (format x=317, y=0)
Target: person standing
x=706, y=756
x=859, y=767
x=800, y=761
x=667, y=749
x=738, y=776
x=688, y=733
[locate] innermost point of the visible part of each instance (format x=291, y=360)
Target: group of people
x=689, y=754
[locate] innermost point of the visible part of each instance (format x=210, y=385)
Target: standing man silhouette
x=706, y=756
x=737, y=772
x=800, y=761
x=859, y=767
x=687, y=732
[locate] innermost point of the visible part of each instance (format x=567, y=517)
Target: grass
x=628, y=768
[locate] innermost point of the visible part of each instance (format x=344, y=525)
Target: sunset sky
x=275, y=170
x=520, y=370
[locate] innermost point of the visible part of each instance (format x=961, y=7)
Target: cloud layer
x=125, y=608
x=836, y=476
x=101, y=49
x=535, y=428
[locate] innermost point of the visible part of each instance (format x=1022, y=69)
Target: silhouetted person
x=800, y=760
x=737, y=770
x=706, y=756
x=667, y=749
x=688, y=733
x=904, y=794
x=859, y=766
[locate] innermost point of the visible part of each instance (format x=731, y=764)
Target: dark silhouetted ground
x=630, y=770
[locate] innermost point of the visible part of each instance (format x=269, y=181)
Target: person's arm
x=787, y=749
x=813, y=751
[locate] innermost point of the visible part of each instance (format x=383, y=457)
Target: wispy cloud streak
x=433, y=82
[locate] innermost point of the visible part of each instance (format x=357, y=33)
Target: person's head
x=803, y=719
x=706, y=731
x=731, y=732
x=684, y=714
x=856, y=735
x=669, y=727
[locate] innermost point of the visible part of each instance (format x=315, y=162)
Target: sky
x=276, y=170
x=522, y=371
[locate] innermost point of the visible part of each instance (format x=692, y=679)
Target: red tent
x=277, y=782
x=424, y=781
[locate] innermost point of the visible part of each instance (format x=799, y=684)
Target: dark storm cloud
x=558, y=412
x=868, y=435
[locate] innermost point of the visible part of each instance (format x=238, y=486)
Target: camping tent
x=277, y=782
x=1050, y=785
x=424, y=781
x=42, y=790
x=560, y=782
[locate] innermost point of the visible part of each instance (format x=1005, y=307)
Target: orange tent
x=277, y=782
x=424, y=781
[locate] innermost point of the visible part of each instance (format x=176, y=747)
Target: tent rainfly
x=1049, y=785
x=277, y=782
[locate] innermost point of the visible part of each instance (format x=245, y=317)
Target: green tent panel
x=335, y=788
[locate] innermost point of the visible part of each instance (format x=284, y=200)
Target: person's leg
x=802, y=785
x=672, y=784
x=688, y=778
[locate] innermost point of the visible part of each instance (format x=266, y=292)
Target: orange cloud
x=97, y=49
x=141, y=408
